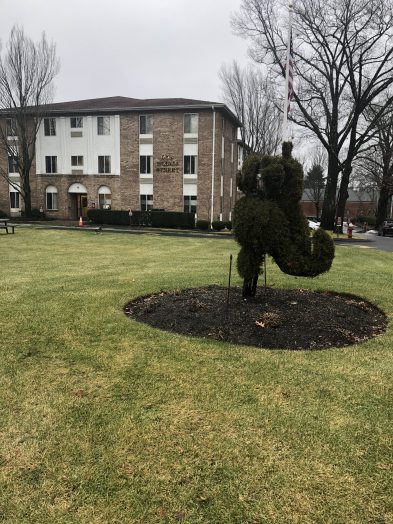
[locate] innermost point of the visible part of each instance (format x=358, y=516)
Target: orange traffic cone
x=80, y=222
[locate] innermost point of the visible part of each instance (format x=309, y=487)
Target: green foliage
x=269, y=220
x=361, y=219
x=315, y=179
x=202, y=224
x=36, y=213
x=108, y=216
x=228, y=224
x=218, y=225
x=151, y=218
x=247, y=179
x=173, y=219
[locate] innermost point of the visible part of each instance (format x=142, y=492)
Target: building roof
x=353, y=195
x=124, y=104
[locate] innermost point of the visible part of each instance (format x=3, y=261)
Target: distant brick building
x=121, y=153
x=358, y=203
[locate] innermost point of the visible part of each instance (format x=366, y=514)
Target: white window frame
x=52, y=190
x=17, y=198
x=78, y=119
x=51, y=172
x=12, y=163
x=191, y=172
x=190, y=132
x=149, y=165
x=146, y=117
x=191, y=198
x=77, y=164
x=147, y=199
x=105, y=165
x=104, y=197
x=50, y=126
x=103, y=125
x=11, y=125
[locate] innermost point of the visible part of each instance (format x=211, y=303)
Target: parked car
x=313, y=225
x=386, y=229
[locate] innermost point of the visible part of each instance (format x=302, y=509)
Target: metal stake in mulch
x=229, y=280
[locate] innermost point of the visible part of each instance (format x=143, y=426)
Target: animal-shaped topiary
x=268, y=220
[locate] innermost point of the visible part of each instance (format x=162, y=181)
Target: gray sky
x=135, y=48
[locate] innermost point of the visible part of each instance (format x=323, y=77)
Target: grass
x=103, y=420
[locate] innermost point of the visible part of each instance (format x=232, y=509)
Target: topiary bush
x=269, y=220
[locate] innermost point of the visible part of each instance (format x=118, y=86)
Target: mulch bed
x=274, y=318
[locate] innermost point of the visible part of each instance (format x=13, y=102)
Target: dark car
x=386, y=229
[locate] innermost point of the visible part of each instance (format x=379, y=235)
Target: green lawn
x=103, y=420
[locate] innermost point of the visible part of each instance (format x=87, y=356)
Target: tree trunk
x=26, y=193
x=250, y=286
x=382, y=209
x=329, y=200
x=343, y=195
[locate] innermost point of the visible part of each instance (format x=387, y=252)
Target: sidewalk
x=73, y=225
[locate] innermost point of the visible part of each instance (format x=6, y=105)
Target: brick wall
x=129, y=162
x=168, y=141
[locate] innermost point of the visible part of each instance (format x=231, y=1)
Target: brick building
x=358, y=203
x=120, y=153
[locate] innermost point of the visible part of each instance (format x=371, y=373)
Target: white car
x=313, y=225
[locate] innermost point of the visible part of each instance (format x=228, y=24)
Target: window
x=77, y=161
x=191, y=123
x=146, y=202
x=76, y=122
x=190, y=164
x=51, y=164
x=104, y=197
x=145, y=165
x=103, y=125
x=190, y=204
x=11, y=127
x=104, y=164
x=50, y=126
x=12, y=164
x=14, y=199
x=51, y=198
x=146, y=124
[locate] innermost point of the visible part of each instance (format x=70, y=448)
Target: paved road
x=376, y=242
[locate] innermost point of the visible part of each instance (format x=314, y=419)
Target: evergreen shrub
x=202, y=224
x=361, y=219
x=268, y=220
x=149, y=218
x=218, y=225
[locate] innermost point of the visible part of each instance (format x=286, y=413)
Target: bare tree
x=343, y=61
x=374, y=170
x=27, y=71
x=251, y=96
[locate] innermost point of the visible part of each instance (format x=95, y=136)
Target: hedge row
x=169, y=219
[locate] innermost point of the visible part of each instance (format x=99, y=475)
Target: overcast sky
x=135, y=48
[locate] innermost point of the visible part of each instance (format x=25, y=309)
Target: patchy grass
x=104, y=420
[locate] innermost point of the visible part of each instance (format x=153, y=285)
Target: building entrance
x=80, y=205
x=78, y=201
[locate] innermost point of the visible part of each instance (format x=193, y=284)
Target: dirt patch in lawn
x=274, y=318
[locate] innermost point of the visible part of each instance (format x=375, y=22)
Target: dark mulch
x=275, y=318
